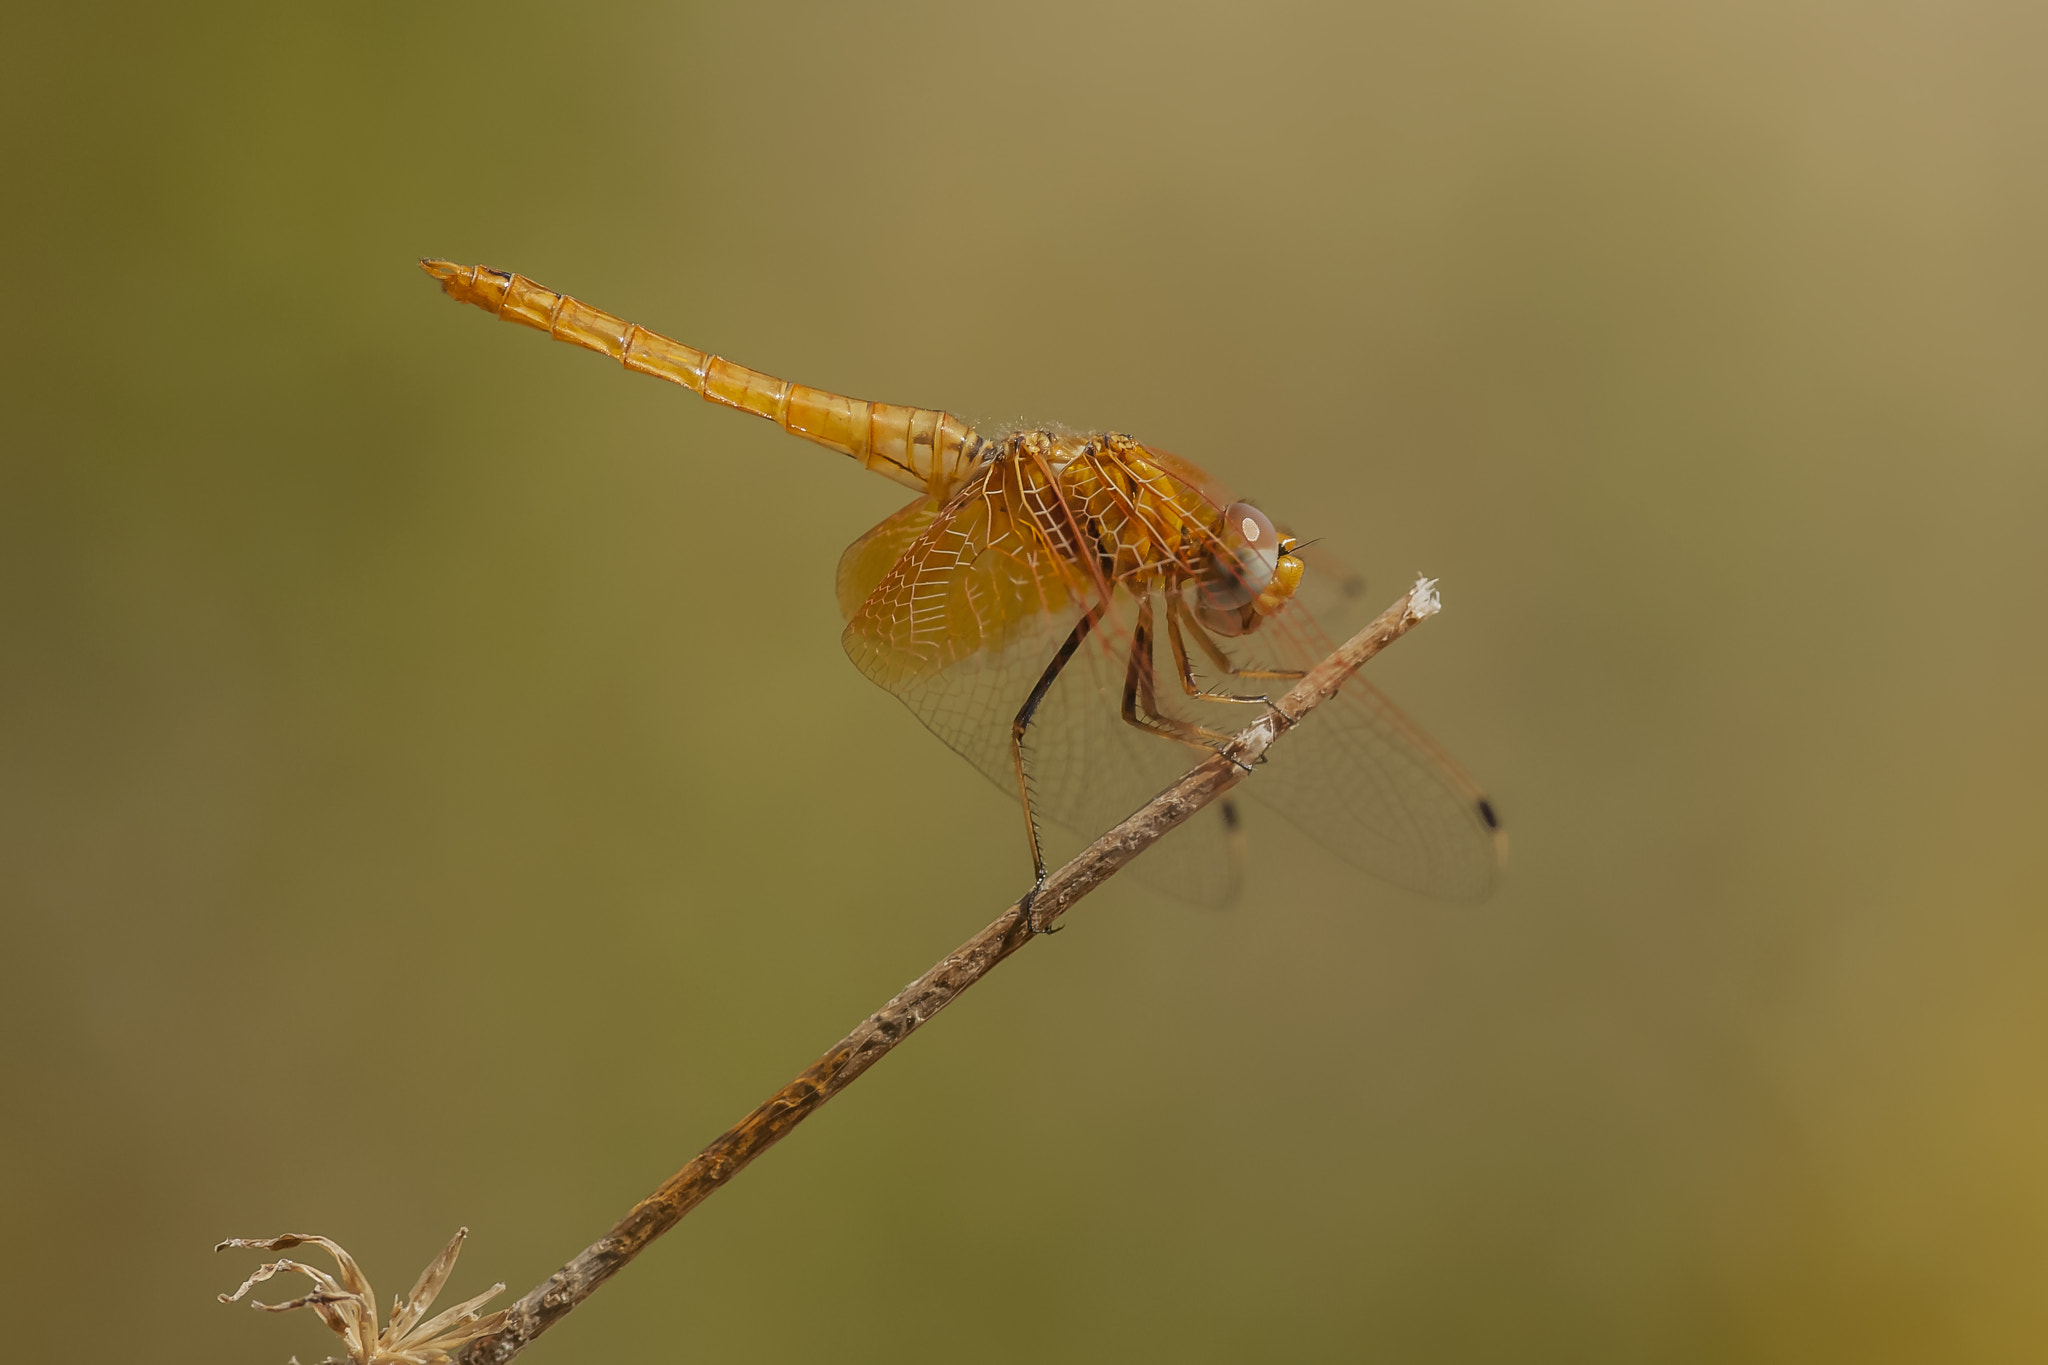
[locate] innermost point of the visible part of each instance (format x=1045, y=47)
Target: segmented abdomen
x=922, y=448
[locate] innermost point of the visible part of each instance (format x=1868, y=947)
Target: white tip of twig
x=1422, y=599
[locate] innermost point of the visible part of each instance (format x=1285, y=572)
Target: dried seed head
x=346, y=1303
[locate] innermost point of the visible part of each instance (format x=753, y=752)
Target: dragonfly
x=1073, y=612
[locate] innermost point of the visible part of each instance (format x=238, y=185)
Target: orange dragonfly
x=1020, y=603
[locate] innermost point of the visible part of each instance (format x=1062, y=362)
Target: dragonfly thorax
x=1138, y=516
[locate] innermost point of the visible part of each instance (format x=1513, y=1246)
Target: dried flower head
x=347, y=1305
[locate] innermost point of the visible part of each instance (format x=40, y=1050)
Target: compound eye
x=1242, y=565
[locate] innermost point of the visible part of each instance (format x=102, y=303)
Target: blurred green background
x=434, y=793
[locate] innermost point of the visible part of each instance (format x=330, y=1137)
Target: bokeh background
x=432, y=793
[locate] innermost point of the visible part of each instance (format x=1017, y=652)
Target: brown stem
x=921, y=999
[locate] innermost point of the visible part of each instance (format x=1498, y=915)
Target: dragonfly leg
x=1018, y=727
x=1180, y=648
x=1141, y=695
x=1177, y=620
x=1177, y=616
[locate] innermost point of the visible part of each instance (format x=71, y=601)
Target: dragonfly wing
x=971, y=592
x=868, y=559
x=961, y=628
x=965, y=619
x=1370, y=786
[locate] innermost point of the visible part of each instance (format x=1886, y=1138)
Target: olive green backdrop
x=432, y=793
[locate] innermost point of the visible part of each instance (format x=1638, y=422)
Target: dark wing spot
x=1486, y=814
x=1230, y=815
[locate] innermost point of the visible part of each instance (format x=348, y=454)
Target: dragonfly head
x=1249, y=572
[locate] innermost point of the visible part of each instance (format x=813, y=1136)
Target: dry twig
x=916, y=1003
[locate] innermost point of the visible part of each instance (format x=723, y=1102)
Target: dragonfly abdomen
x=923, y=448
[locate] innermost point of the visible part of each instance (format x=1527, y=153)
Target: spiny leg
x=1183, y=669
x=1177, y=618
x=1140, y=690
x=1140, y=706
x=1022, y=723
x=1141, y=709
